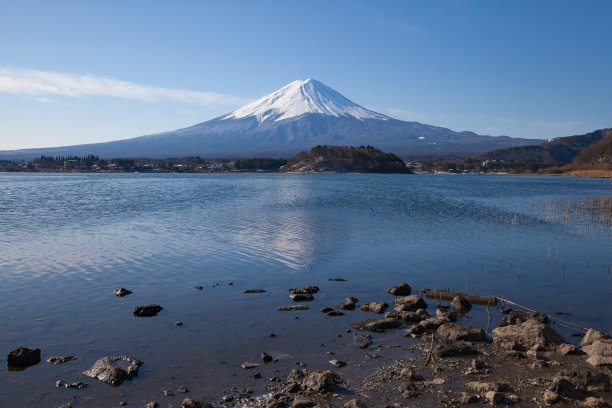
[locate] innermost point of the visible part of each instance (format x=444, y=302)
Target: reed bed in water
x=595, y=214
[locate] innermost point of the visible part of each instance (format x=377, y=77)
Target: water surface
x=68, y=240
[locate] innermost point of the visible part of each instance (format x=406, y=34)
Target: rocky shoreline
x=524, y=362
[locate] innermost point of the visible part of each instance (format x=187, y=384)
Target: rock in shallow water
x=121, y=292
x=403, y=289
x=59, y=360
x=147, y=310
x=23, y=357
x=378, y=325
x=107, y=370
x=193, y=403
x=378, y=308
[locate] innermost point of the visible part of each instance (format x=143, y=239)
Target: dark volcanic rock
x=458, y=331
x=290, y=308
x=301, y=297
x=377, y=308
x=461, y=305
x=314, y=381
x=409, y=316
x=334, y=313
x=377, y=325
x=147, y=310
x=412, y=302
x=526, y=334
x=254, y=291
x=520, y=316
x=23, y=357
x=348, y=304
x=266, y=358
x=121, y=292
x=107, y=370
x=68, y=384
x=403, y=289
x=59, y=360
x=305, y=291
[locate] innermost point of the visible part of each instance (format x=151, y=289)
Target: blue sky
x=90, y=71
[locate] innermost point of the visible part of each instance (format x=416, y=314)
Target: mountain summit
x=297, y=117
x=299, y=98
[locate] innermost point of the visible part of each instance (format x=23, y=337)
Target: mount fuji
x=301, y=115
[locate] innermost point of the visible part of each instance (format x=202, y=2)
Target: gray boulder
x=377, y=308
x=458, y=331
x=107, y=370
x=412, y=302
x=314, y=381
x=527, y=334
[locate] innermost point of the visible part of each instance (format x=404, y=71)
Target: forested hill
x=345, y=159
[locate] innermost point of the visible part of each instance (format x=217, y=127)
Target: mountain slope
x=597, y=154
x=563, y=149
x=297, y=117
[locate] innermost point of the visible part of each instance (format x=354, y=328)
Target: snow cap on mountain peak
x=301, y=97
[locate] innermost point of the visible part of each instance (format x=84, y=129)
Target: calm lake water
x=68, y=240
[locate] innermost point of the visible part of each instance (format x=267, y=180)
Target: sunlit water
x=67, y=241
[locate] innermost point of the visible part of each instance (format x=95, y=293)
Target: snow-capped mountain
x=300, y=98
x=302, y=114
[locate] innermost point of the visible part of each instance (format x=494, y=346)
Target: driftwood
x=437, y=294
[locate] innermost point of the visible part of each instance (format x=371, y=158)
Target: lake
x=68, y=240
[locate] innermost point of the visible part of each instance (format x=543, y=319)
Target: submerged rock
x=377, y=308
x=23, y=357
x=290, y=308
x=378, y=325
x=107, y=370
x=147, y=310
x=362, y=341
x=403, y=289
x=254, y=291
x=121, y=292
x=59, y=360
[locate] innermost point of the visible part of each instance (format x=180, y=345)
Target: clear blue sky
x=88, y=71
